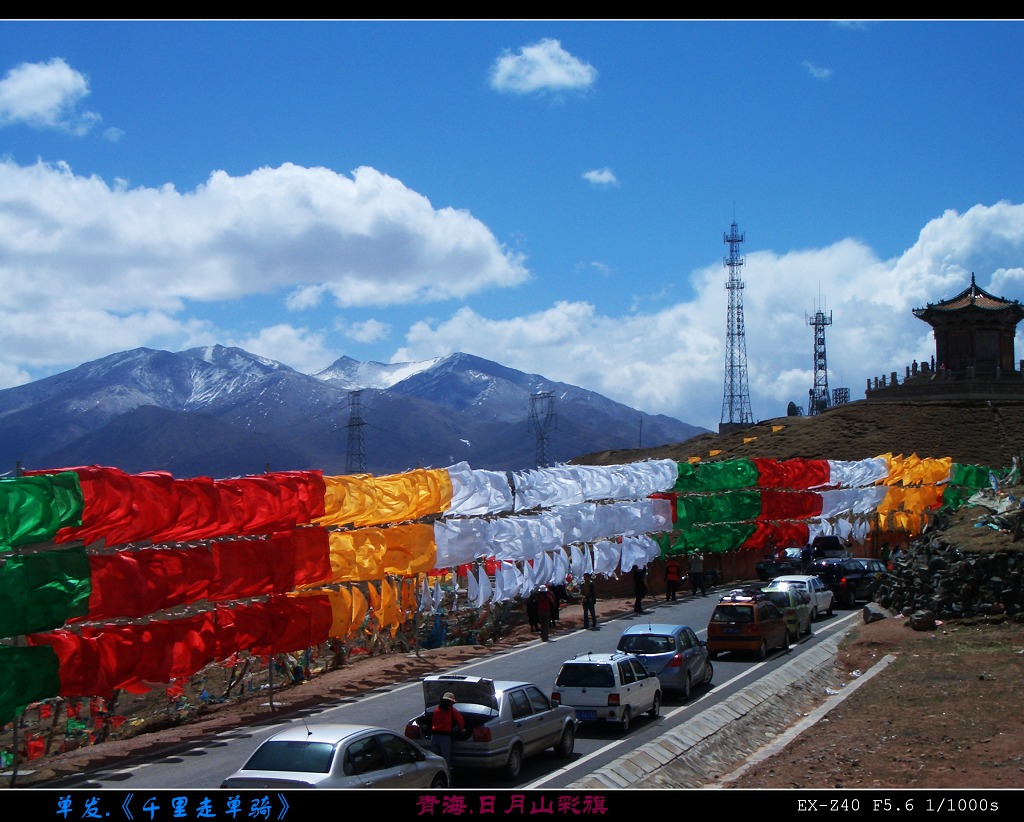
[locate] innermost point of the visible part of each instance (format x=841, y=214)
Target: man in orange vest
x=673, y=573
x=445, y=721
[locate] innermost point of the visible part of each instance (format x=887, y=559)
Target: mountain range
x=224, y=412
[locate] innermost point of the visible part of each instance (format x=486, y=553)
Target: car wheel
x=712, y=654
x=808, y=631
x=439, y=781
x=814, y=614
x=709, y=673
x=687, y=688
x=792, y=639
x=565, y=745
x=762, y=650
x=625, y=719
x=785, y=641
x=829, y=611
x=515, y=762
x=656, y=705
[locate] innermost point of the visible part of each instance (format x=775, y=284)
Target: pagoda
x=974, y=350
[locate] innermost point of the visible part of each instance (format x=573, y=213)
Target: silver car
x=339, y=756
x=505, y=722
x=822, y=598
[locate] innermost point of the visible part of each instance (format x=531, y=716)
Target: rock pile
x=966, y=566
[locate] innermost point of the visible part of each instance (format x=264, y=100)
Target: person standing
x=673, y=573
x=589, y=593
x=697, y=573
x=639, y=587
x=545, y=604
x=445, y=721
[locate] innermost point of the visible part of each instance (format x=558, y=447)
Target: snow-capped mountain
x=222, y=412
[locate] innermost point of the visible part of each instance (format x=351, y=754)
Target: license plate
x=731, y=629
x=586, y=714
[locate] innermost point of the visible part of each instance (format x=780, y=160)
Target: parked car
x=784, y=561
x=822, y=598
x=339, y=756
x=795, y=606
x=607, y=688
x=673, y=653
x=828, y=546
x=746, y=620
x=851, y=579
x=506, y=721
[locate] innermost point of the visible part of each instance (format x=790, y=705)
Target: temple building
x=974, y=351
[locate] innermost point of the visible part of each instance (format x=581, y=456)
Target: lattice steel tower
x=542, y=420
x=355, y=457
x=736, y=404
x=818, y=397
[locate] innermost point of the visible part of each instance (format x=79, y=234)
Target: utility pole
x=819, y=399
x=542, y=420
x=355, y=456
x=736, y=402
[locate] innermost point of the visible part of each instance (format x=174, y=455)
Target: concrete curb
x=718, y=745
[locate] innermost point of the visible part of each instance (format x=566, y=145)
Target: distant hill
x=983, y=432
x=221, y=412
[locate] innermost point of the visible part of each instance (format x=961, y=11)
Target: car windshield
x=646, y=644
x=780, y=597
x=586, y=675
x=312, y=757
x=733, y=613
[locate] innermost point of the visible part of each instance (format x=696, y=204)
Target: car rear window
x=780, y=598
x=646, y=644
x=586, y=675
x=312, y=757
x=733, y=613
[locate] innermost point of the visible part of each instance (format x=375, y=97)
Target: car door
x=773, y=624
x=367, y=764
x=645, y=684
x=630, y=690
x=528, y=725
x=547, y=720
x=403, y=769
x=693, y=654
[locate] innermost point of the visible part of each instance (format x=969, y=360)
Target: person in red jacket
x=673, y=574
x=445, y=721
x=545, y=605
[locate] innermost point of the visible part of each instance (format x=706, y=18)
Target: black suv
x=850, y=578
x=786, y=561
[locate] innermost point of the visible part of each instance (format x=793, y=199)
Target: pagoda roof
x=974, y=296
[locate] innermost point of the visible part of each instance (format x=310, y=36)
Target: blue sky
x=551, y=195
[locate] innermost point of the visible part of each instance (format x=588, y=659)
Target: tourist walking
x=589, y=593
x=545, y=604
x=697, y=573
x=639, y=587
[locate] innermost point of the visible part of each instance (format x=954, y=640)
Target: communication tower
x=819, y=399
x=542, y=420
x=736, y=404
x=355, y=457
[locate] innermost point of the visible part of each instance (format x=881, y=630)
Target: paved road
x=204, y=765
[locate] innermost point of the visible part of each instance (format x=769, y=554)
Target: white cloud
x=104, y=267
x=601, y=177
x=368, y=331
x=46, y=95
x=817, y=71
x=671, y=360
x=543, y=66
x=300, y=348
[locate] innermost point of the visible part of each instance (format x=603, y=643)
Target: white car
x=822, y=598
x=607, y=688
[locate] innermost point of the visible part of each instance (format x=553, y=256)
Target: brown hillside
x=989, y=433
